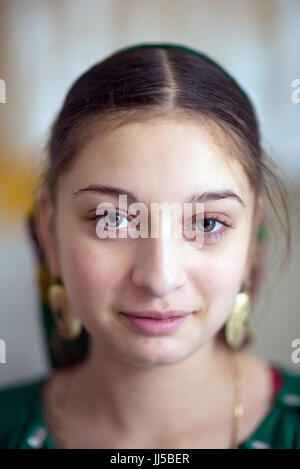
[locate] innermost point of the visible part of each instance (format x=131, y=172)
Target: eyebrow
x=204, y=197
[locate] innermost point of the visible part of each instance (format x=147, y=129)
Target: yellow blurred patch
x=17, y=183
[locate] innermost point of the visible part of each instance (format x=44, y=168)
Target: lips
x=157, y=314
x=154, y=325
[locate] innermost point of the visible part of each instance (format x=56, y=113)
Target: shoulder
x=19, y=392
x=18, y=410
x=286, y=409
x=280, y=428
x=289, y=391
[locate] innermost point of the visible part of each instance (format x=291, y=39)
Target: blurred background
x=46, y=44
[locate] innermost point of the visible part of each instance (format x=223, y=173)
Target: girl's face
x=159, y=160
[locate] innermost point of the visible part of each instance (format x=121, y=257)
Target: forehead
x=162, y=154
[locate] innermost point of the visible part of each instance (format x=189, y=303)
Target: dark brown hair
x=149, y=80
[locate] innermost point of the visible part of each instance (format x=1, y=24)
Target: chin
x=149, y=352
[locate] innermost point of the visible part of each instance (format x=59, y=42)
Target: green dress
x=22, y=422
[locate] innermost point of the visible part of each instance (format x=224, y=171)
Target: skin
x=169, y=389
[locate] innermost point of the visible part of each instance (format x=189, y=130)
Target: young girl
x=148, y=331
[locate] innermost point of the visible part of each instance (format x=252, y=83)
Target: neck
x=163, y=397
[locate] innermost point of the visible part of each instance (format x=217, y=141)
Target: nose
x=159, y=266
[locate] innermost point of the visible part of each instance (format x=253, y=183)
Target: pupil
x=113, y=218
x=207, y=223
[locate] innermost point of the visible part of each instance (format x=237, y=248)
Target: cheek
x=220, y=280
x=226, y=274
x=90, y=276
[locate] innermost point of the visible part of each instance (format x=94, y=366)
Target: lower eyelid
x=219, y=234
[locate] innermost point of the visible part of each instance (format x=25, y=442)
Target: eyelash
x=211, y=235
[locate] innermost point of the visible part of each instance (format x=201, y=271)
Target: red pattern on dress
x=277, y=379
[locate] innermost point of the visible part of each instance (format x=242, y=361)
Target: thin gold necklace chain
x=238, y=408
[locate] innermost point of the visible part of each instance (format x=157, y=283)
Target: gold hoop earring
x=68, y=325
x=236, y=324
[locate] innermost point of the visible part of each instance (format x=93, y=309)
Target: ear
x=258, y=213
x=252, y=251
x=45, y=229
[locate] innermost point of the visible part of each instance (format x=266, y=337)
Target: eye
x=110, y=220
x=208, y=225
